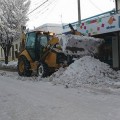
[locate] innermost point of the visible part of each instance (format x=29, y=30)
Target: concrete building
x=56, y=28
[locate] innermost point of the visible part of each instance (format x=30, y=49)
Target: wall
x=16, y=45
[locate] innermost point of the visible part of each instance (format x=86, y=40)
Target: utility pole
x=116, y=6
x=79, y=12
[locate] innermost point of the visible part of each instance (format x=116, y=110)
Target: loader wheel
x=23, y=67
x=43, y=70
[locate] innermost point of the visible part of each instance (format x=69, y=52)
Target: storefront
x=107, y=27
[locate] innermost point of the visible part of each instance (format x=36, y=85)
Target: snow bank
x=10, y=65
x=87, y=71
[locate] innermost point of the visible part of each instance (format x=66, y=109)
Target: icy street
x=22, y=99
x=31, y=98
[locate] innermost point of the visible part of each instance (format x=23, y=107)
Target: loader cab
x=35, y=43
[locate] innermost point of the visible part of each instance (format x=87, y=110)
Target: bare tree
x=13, y=14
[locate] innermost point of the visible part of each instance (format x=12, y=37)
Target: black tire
x=43, y=70
x=23, y=67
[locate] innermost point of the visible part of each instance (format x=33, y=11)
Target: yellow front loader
x=40, y=55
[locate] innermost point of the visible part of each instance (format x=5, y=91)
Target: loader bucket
x=80, y=45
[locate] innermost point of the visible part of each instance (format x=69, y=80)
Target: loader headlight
x=58, y=46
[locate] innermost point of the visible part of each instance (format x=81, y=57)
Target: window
x=43, y=40
x=30, y=43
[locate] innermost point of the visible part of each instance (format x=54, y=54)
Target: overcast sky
x=65, y=11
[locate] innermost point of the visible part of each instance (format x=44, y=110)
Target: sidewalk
x=12, y=65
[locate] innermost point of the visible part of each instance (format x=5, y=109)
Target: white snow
x=11, y=64
x=79, y=45
x=86, y=90
x=87, y=71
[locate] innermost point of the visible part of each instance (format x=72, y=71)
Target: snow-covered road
x=28, y=99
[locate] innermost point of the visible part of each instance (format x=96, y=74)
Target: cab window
x=30, y=43
x=43, y=40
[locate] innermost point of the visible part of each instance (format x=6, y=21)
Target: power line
x=51, y=8
x=35, y=3
x=47, y=6
x=95, y=6
x=44, y=9
x=38, y=7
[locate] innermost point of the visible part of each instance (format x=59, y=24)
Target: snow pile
x=87, y=71
x=79, y=45
x=10, y=65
